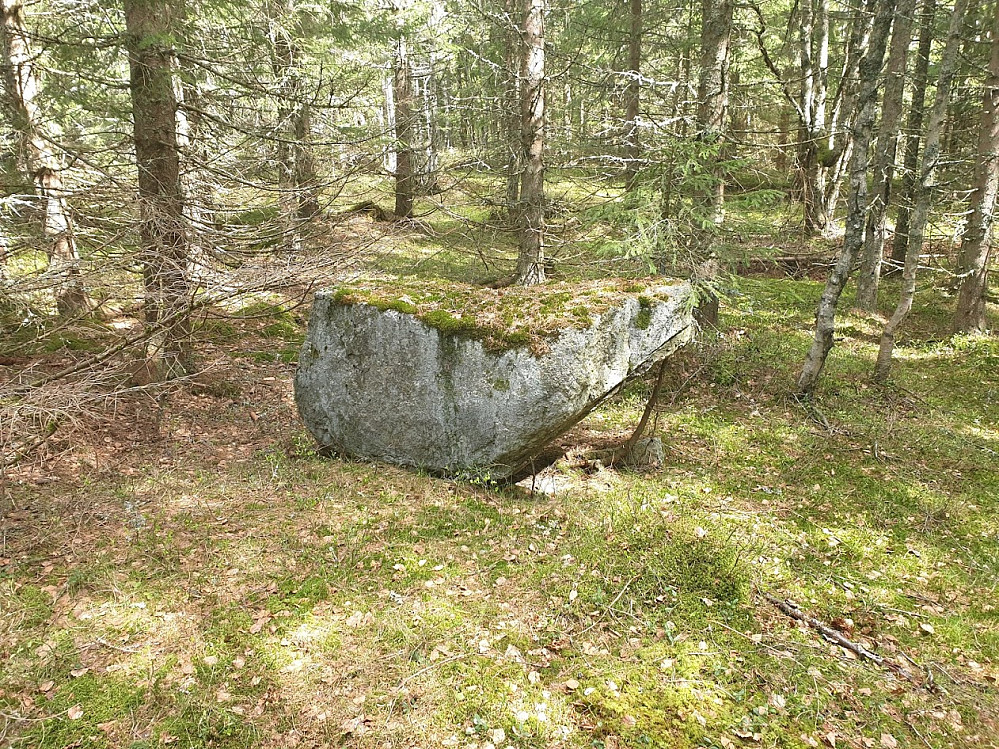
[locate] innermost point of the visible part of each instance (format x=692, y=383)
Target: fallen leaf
x=358, y=619
x=46, y=687
x=355, y=726
x=75, y=712
x=259, y=624
x=927, y=628
x=78, y=672
x=888, y=741
x=570, y=684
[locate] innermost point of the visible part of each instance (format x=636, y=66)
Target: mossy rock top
x=504, y=318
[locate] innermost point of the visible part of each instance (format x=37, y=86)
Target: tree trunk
x=38, y=160
x=863, y=123
x=149, y=28
x=632, y=94
x=425, y=94
x=511, y=109
x=712, y=90
x=297, y=181
x=884, y=159
x=913, y=134
x=403, y=95
x=812, y=116
x=388, y=113
x=924, y=191
x=531, y=259
x=306, y=180
x=430, y=137
x=193, y=182
x=976, y=246
x=838, y=150
x=784, y=130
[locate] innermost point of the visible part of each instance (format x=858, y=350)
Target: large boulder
x=475, y=382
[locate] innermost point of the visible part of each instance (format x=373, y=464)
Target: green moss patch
x=504, y=318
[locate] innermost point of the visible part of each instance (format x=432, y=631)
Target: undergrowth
x=197, y=575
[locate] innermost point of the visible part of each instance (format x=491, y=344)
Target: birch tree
x=632, y=94
x=863, y=123
x=531, y=257
x=712, y=88
x=913, y=134
x=924, y=191
x=813, y=39
x=38, y=158
x=884, y=159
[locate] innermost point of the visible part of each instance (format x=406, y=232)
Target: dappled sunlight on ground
x=193, y=574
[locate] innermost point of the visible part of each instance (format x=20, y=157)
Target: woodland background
x=178, y=565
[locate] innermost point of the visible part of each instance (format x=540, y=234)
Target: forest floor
x=190, y=573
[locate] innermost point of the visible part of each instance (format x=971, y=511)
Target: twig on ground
x=607, y=608
x=22, y=719
x=913, y=729
x=111, y=646
x=836, y=637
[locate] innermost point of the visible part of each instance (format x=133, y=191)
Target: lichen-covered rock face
x=383, y=384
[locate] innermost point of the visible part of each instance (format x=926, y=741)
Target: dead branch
x=836, y=637
x=623, y=452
